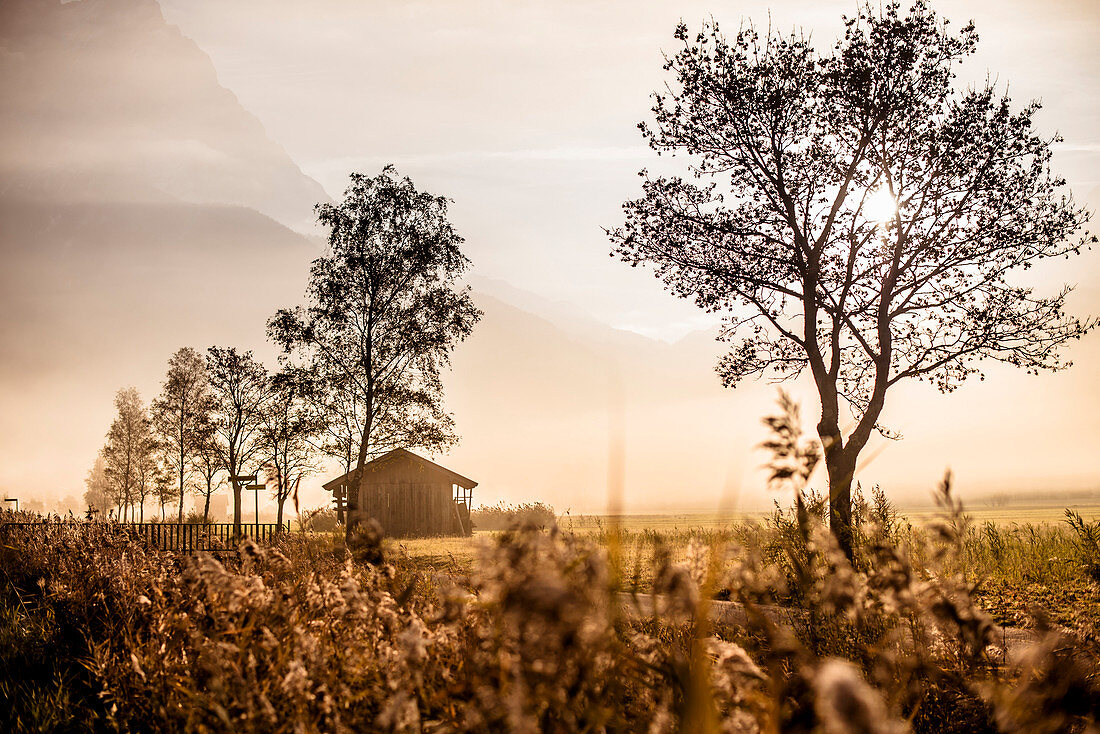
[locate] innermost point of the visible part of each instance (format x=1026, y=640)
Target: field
x=1026, y=554
x=526, y=629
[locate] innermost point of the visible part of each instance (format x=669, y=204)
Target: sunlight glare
x=880, y=205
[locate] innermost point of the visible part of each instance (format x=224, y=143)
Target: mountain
x=105, y=101
x=142, y=209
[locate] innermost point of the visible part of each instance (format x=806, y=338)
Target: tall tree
x=855, y=215
x=289, y=426
x=416, y=418
x=384, y=312
x=178, y=412
x=209, y=465
x=129, y=441
x=149, y=472
x=238, y=387
x=164, y=489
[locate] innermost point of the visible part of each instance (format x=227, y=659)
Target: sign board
x=243, y=478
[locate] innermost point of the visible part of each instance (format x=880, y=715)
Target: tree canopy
x=855, y=213
x=383, y=314
x=239, y=386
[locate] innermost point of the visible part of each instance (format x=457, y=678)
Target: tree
x=209, y=464
x=238, y=387
x=178, y=412
x=288, y=427
x=149, y=473
x=164, y=489
x=416, y=418
x=129, y=442
x=855, y=216
x=384, y=313
x=98, y=488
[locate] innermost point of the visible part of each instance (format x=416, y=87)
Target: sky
x=525, y=112
x=158, y=178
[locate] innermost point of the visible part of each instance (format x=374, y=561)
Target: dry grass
x=301, y=637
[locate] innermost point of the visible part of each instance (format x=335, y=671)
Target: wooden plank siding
x=409, y=509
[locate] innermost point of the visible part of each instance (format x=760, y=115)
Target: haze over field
x=159, y=166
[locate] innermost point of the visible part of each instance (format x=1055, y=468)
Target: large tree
x=238, y=387
x=383, y=315
x=856, y=214
x=149, y=473
x=180, y=411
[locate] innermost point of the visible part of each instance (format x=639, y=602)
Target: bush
x=319, y=520
x=503, y=516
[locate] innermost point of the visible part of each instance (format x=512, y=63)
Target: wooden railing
x=170, y=536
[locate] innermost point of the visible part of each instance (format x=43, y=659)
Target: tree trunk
x=353, y=489
x=181, y=485
x=279, y=515
x=236, y=510
x=841, y=470
x=840, y=462
x=206, y=505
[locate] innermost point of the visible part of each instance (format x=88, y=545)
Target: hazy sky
x=525, y=112
x=132, y=155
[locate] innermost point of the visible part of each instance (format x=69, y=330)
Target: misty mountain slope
x=96, y=296
x=535, y=400
x=140, y=211
x=103, y=100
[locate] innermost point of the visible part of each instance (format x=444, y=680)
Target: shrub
x=1087, y=539
x=502, y=516
x=318, y=520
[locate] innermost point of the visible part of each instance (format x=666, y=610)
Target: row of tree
x=359, y=369
x=215, y=418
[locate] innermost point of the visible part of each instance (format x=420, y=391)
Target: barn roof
x=390, y=456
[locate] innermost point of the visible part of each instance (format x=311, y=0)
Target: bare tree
x=855, y=215
x=178, y=412
x=209, y=464
x=239, y=386
x=149, y=473
x=128, y=443
x=287, y=432
x=164, y=489
x=384, y=311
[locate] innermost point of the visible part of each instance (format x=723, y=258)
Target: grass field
x=442, y=552
x=1026, y=554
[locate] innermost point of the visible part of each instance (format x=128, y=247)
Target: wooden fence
x=169, y=536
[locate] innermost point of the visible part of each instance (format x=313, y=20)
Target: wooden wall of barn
x=411, y=509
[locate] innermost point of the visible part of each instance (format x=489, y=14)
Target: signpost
x=256, y=488
x=15, y=500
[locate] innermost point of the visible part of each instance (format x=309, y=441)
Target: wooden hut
x=409, y=496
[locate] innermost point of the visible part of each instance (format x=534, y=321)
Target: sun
x=880, y=206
